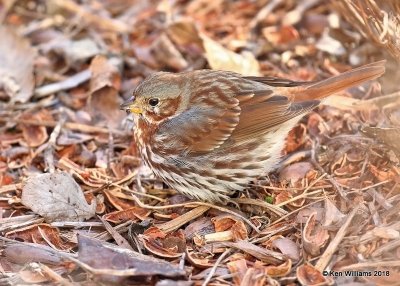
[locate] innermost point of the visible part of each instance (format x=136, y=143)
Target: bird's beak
x=131, y=106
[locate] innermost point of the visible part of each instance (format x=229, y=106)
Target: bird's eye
x=153, y=101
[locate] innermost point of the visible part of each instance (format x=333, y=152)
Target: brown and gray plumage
x=208, y=133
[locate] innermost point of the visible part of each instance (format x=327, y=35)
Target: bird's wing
x=203, y=127
x=264, y=111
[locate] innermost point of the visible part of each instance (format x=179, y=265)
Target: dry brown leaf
x=133, y=214
x=22, y=254
x=35, y=135
x=101, y=255
x=254, y=277
x=224, y=222
x=386, y=277
x=239, y=231
x=41, y=234
x=386, y=232
x=265, y=255
x=296, y=138
x=199, y=227
x=16, y=66
x=154, y=233
x=118, y=203
x=167, y=54
x=308, y=275
x=185, y=34
x=238, y=269
x=282, y=35
x=382, y=175
x=332, y=214
x=57, y=197
x=33, y=276
x=295, y=172
x=314, y=236
x=389, y=136
x=105, y=84
x=171, y=246
x=279, y=270
x=287, y=247
x=218, y=57
x=199, y=259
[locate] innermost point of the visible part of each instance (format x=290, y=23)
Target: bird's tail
x=326, y=87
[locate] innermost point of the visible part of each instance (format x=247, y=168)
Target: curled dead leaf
x=308, y=275
x=287, y=247
x=199, y=227
x=314, y=236
x=16, y=66
x=171, y=246
x=101, y=255
x=35, y=135
x=239, y=231
x=167, y=54
x=332, y=214
x=224, y=222
x=200, y=260
x=296, y=172
x=42, y=234
x=296, y=138
x=279, y=270
x=105, y=84
x=281, y=35
x=133, y=214
x=383, y=175
x=218, y=57
x=238, y=269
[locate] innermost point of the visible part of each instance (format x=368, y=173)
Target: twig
x=305, y=192
x=119, y=239
x=182, y=219
x=188, y=204
x=52, y=143
x=102, y=22
x=77, y=224
x=372, y=264
x=110, y=153
x=330, y=250
x=354, y=190
x=10, y=188
x=264, y=12
x=68, y=83
x=68, y=125
x=295, y=211
x=50, y=273
x=215, y=266
x=272, y=208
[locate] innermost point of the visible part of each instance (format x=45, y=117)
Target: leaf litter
x=72, y=181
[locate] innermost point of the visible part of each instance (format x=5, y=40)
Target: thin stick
x=68, y=125
x=330, y=250
x=189, y=204
x=214, y=268
x=52, y=143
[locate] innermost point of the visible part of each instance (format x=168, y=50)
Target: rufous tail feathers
x=335, y=84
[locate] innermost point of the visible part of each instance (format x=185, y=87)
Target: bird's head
x=158, y=97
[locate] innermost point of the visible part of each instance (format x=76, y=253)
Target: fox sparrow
x=208, y=133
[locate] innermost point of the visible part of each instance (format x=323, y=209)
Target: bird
x=208, y=133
